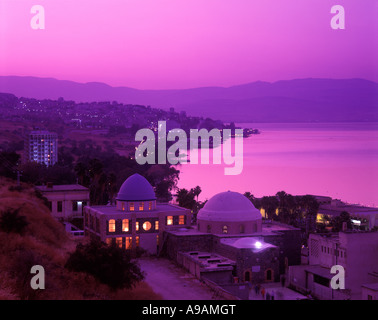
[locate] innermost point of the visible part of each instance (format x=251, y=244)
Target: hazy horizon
x=188, y=88
x=166, y=44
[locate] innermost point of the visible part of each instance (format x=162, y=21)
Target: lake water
x=332, y=159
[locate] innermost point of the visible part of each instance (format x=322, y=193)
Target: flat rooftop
x=62, y=187
x=160, y=207
x=210, y=261
x=268, y=229
x=371, y=286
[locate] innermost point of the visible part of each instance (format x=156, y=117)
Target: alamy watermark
x=222, y=144
x=37, y=22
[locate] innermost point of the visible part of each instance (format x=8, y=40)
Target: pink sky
x=161, y=44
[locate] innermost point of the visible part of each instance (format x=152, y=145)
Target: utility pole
x=18, y=177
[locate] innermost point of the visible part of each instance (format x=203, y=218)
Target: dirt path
x=173, y=282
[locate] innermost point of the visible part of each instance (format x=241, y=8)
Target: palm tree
x=197, y=190
x=309, y=207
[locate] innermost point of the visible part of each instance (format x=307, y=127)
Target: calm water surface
x=338, y=160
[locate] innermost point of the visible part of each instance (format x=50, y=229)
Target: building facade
x=42, y=147
x=355, y=251
x=136, y=220
x=65, y=201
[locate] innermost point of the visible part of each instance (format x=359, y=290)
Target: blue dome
x=136, y=188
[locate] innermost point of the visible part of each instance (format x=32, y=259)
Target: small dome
x=247, y=242
x=252, y=243
x=136, y=188
x=229, y=206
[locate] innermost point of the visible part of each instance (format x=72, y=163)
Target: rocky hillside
x=45, y=242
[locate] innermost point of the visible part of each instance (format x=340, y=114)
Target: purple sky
x=156, y=44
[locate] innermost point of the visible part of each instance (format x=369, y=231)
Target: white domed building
x=136, y=220
x=229, y=213
x=230, y=244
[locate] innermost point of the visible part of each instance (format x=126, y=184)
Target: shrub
x=11, y=221
x=108, y=264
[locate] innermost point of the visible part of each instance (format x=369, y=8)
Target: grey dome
x=229, y=206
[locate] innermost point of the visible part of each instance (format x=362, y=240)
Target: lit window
x=225, y=229
x=150, y=205
x=123, y=207
x=156, y=225
x=137, y=241
x=108, y=241
x=112, y=225
x=125, y=225
x=132, y=206
x=137, y=226
x=119, y=242
x=141, y=206
x=147, y=225
x=169, y=220
x=128, y=242
x=181, y=219
x=157, y=240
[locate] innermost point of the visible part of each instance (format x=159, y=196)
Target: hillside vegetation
x=43, y=241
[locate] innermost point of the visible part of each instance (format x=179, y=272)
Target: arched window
x=111, y=225
x=269, y=275
x=241, y=228
x=224, y=229
x=247, y=276
x=125, y=225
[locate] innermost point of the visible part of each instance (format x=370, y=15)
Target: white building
x=66, y=201
x=356, y=251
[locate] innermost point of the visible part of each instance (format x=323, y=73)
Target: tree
x=8, y=164
x=186, y=199
x=338, y=221
x=110, y=265
x=197, y=190
x=309, y=207
x=270, y=205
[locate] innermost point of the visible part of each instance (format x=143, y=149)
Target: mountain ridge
x=297, y=100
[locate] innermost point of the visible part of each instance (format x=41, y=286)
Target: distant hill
x=300, y=100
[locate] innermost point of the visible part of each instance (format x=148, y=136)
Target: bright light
x=258, y=244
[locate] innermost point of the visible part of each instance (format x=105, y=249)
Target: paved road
x=173, y=282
